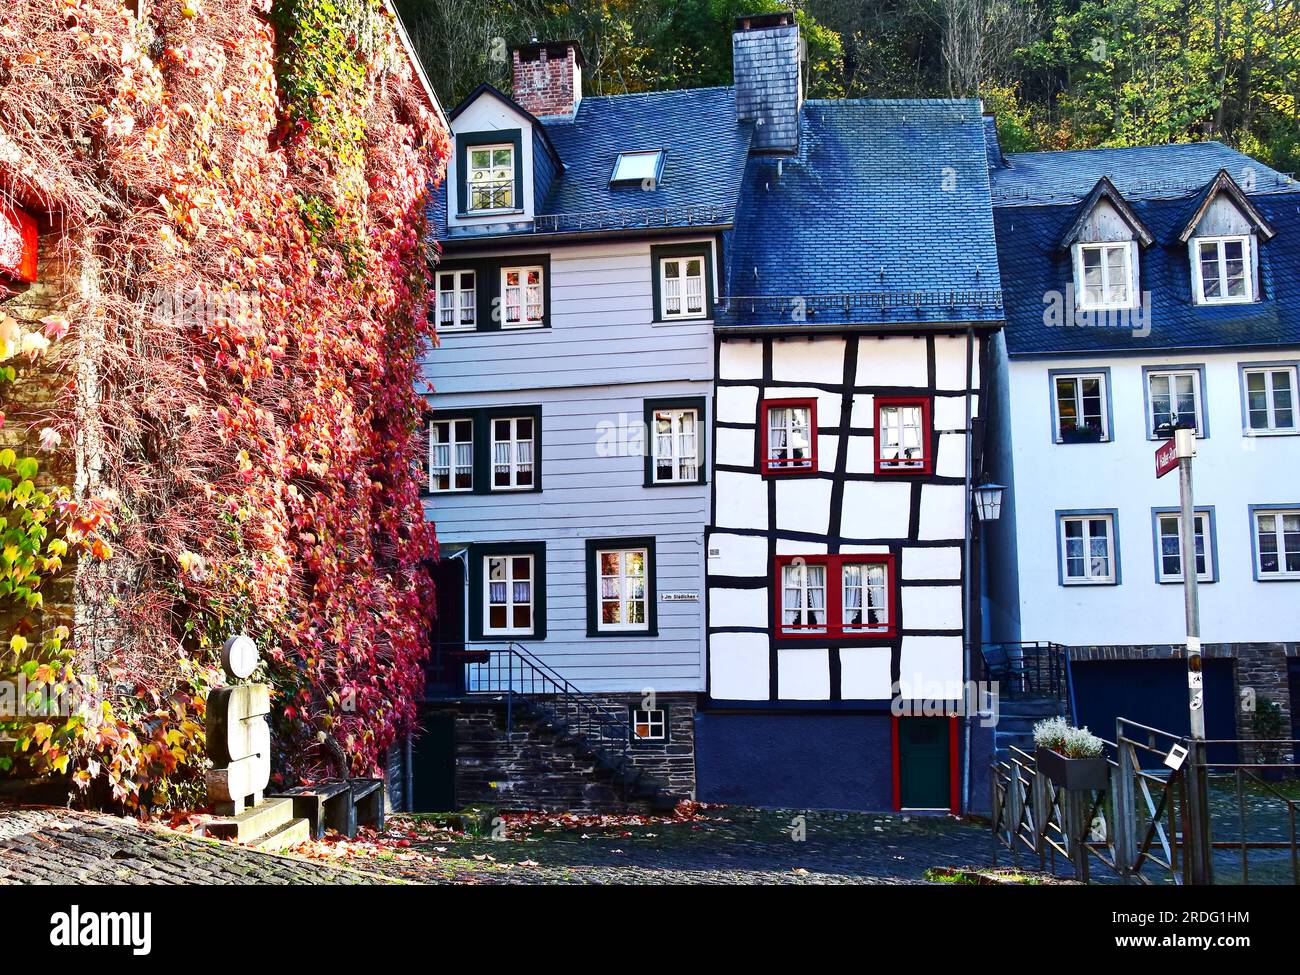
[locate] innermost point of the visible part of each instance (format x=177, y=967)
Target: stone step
x=288, y=834
x=266, y=817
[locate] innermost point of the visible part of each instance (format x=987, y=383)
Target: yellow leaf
x=18, y=643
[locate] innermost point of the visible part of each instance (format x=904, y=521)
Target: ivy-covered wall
x=238, y=191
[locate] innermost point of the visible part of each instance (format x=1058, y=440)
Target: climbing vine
x=243, y=182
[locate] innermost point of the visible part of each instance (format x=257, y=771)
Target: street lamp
x=988, y=500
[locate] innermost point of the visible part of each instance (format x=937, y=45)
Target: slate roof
x=706, y=148
x=1037, y=197
x=885, y=207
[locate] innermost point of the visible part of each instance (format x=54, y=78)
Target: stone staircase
x=270, y=825
x=1016, y=719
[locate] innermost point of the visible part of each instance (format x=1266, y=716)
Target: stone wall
x=533, y=768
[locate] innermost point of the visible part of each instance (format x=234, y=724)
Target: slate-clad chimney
x=765, y=52
x=547, y=78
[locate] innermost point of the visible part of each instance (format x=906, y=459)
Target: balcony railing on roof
x=688, y=215
x=846, y=303
x=1260, y=183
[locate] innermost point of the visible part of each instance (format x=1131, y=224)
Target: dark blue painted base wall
x=795, y=761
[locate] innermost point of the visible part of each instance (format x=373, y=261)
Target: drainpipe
x=966, y=575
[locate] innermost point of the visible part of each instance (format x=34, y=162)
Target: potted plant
x=1071, y=757
x=1083, y=433
x=1269, y=726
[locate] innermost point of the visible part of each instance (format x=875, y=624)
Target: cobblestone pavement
x=715, y=846
x=711, y=846
x=56, y=846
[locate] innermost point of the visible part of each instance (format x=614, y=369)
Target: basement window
x=641, y=169
x=649, y=724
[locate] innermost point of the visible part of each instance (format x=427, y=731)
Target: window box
x=789, y=436
x=682, y=282
x=507, y=591
x=903, y=438
x=1087, y=545
x=1081, y=411
x=836, y=596
x=676, y=434
x=1080, y=774
x=622, y=597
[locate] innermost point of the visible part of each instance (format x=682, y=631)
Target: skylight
x=638, y=169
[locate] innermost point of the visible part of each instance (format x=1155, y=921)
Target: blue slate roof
x=882, y=217
x=705, y=152
x=1037, y=197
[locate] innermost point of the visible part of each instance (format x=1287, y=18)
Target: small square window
x=1270, y=393
x=649, y=724
x=902, y=436
x=638, y=169
x=1222, y=270
x=1087, y=550
x=789, y=436
x=1081, y=408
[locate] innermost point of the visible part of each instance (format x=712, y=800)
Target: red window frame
x=22, y=227
x=834, y=628
x=927, y=435
x=766, y=464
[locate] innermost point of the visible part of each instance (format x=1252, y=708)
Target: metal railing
x=878, y=301
x=1034, y=668
x=1137, y=827
x=689, y=215
x=516, y=675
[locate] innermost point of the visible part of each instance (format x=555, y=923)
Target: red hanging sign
x=17, y=243
x=1166, y=458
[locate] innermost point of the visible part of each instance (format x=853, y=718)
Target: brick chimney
x=547, y=78
x=766, y=53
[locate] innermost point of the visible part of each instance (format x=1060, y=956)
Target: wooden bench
x=321, y=805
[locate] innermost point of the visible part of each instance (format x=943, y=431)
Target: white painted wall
x=489, y=114
x=1230, y=472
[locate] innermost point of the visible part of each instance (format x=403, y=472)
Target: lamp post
x=988, y=500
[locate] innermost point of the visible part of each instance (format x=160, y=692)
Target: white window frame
x=1271, y=406
x=786, y=461
x=1129, y=248
x=625, y=598
x=463, y=299
x=523, y=303
x=892, y=434
x=1197, y=397
x=654, y=718
x=453, y=464
x=868, y=587
x=647, y=181
x=1279, y=514
x=683, y=279
x=1248, y=266
x=1207, y=544
x=804, y=623
x=1077, y=378
x=677, y=453
x=514, y=459
x=514, y=205
x=510, y=604
x=1089, y=578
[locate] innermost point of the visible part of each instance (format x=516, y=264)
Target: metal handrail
x=1029, y=668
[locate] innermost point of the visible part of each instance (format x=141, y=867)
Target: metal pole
x=967, y=590
x=1197, y=841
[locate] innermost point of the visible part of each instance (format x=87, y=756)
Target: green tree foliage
x=1058, y=73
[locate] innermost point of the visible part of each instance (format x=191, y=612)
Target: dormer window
x=1222, y=270
x=1105, y=275
x=638, y=169
x=491, y=178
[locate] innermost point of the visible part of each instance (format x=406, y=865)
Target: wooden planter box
x=1083, y=774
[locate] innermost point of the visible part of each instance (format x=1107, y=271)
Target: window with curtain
x=791, y=436
x=451, y=455
x=508, y=595
x=512, y=453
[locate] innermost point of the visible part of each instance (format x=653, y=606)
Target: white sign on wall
x=679, y=597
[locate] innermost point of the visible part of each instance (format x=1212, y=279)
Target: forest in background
x=1059, y=74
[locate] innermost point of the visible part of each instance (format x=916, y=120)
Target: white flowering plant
x=1060, y=736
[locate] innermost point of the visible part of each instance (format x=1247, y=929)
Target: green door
x=924, y=770
x=433, y=764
